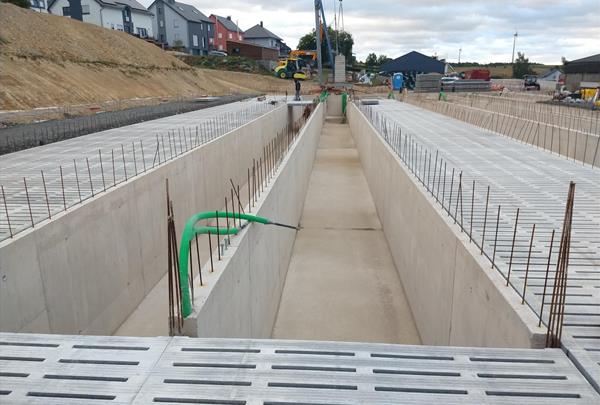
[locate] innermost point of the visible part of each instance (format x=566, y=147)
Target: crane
x=320, y=15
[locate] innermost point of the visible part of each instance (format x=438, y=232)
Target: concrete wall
x=241, y=297
x=86, y=270
x=455, y=297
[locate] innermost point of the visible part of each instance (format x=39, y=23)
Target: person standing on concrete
x=297, y=84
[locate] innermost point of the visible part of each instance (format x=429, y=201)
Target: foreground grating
x=54, y=369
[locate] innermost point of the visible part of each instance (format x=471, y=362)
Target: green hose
x=344, y=102
x=190, y=231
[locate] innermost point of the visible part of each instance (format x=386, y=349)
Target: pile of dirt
x=49, y=60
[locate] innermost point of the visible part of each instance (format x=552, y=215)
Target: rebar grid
x=44, y=181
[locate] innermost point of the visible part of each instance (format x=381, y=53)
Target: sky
x=484, y=29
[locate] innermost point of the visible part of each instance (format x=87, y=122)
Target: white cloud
x=548, y=29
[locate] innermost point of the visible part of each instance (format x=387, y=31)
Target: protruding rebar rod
x=487, y=200
x=77, y=180
x=28, y=202
x=472, y=206
x=10, y=232
x=199, y=262
x=512, y=249
x=546, y=278
x=101, y=169
x=527, y=267
x=496, y=237
x=46, y=194
x=87, y=161
x=218, y=236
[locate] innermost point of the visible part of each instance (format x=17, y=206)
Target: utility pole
x=459, y=51
x=318, y=40
x=515, y=35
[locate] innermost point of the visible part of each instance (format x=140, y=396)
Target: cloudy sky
x=548, y=29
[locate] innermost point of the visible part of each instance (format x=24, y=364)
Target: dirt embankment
x=48, y=60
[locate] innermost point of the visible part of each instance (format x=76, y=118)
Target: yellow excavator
x=292, y=68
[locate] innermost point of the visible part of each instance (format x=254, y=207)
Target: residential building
x=259, y=35
x=123, y=15
x=225, y=30
x=252, y=51
x=38, y=5
x=182, y=26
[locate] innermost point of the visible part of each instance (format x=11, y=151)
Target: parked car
x=217, y=53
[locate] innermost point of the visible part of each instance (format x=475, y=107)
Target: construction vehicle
x=309, y=57
x=292, y=68
x=530, y=82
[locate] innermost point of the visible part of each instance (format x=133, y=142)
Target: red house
x=225, y=30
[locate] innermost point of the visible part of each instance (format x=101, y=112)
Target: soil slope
x=48, y=60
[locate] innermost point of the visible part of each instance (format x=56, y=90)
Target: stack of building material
x=467, y=85
x=340, y=69
x=429, y=82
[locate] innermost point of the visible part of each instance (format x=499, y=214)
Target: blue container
x=397, y=81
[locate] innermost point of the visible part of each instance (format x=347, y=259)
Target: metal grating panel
x=54, y=369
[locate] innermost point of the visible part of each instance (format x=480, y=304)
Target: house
x=38, y=5
x=585, y=70
x=181, y=25
x=412, y=64
x=253, y=51
x=550, y=79
x=261, y=36
x=123, y=15
x=225, y=30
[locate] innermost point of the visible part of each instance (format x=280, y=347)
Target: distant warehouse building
x=585, y=70
x=412, y=64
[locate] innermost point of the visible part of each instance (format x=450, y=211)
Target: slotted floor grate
x=54, y=369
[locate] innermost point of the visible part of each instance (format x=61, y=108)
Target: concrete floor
x=342, y=283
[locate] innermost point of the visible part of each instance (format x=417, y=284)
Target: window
x=195, y=39
x=180, y=9
x=66, y=11
x=85, y=9
x=195, y=11
x=208, y=27
x=211, y=40
x=203, y=42
x=220, y=47
x=175, y=23
x=201, y=27
x=161, y=23
x=159, y=10
x=220, y=35
x=142, y=32
x=230, y=35
x=239, y=37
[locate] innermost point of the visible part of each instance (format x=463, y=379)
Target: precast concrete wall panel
x=86, y=270
x=241, y=297
x=454, y=295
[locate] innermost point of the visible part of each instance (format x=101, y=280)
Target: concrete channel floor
x=342, y=283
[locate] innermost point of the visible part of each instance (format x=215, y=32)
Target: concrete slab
x=342, y=283
x=67, y=369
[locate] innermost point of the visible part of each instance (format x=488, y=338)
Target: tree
x=342, y=39
x=20, y=3
x=382, y=59
x=521, y=67
x=371, y=60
